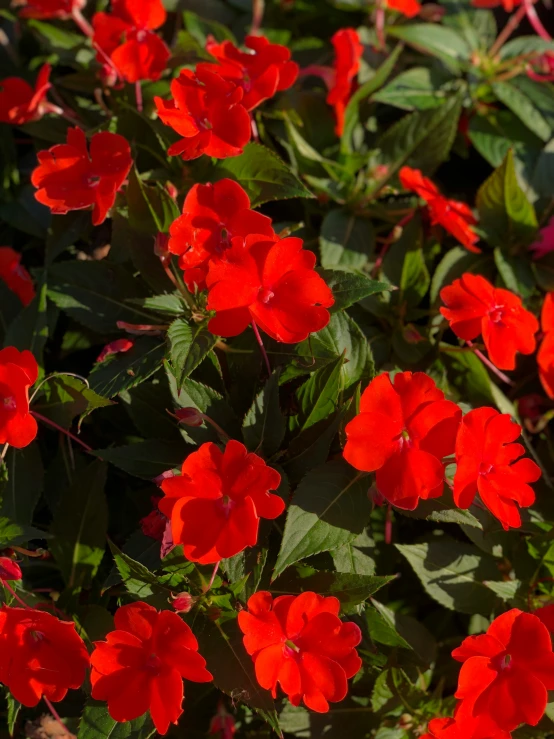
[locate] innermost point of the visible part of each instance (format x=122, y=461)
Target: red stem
x=257, y=16
x=388, y=525
x=501, y=376
x=380, y=26
x=56, y=715
x=535, y=21
x=513, y=22
x=138, y=94
x=10, y=590
x=212, y=578
x=390, y=239
x=82, y=23
x=61, y=430
x=261, y=345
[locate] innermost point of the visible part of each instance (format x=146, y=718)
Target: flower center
x=265, y=295
x=485, y=468
x=227, y=505
x=502, y=662
x=153, y=664
x=141, y=35
x=496, y=314
x=92, y=180
x=290, y=649
x=34, y=638
x=9, y=403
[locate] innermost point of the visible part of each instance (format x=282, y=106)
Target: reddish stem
x=10, y=590
x=212, y=578
x=389, y=241
x=56, y=715
x=388, y=525
x=257, y=16
x=138, y=95
x=535, y=21
x=380, y=26
x=501, y=376
x=61, y=430
x=261, y=345
x=82, y=23
x=513, y=22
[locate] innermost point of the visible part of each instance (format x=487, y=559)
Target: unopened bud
x=213, y=613
x=161, y=246
x=189, y=416
x=9, y=570
x=183, y=602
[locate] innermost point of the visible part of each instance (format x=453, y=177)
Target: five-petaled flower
x=43, y=9
x=474, y=306
x=301, y=643
x=20, y=103
x=15, y=276
x=141, y=665
x=482, y=727
x=18, y=371
x=212, y=216
x=261, y=71
x=545, y=355
x=271, y=282
x=409, y=8
x=207, y=112
x=507, y=672
x=454, y=216
x=228, y=492
x=486, y=464
x=403, y=431
x=39, y=655
x=126, y=36
x=69, y=179
x=348, y=52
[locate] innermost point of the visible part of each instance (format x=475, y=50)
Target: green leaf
x=345, y=240
x=151, y=209
x=264, y=425
x=330, y=508
x=525, y=45
x=96, y=294
x=140, y=548
x=201, y=29
x=415, y=278
x=505, y=213
x=146, y=404
x=349, y=288
x=414, y=635
x=64, y=397
x=127, y=370
x=356, y=557
x=318, y=396
x=137, y=579
x=96, y=723
x=10, y=307
x=25, y=483
x=79, y=527
x=350, y=589
x=523, y=107
x=453, y=265
x=13, y=712
x=233, y=668
x=57, y=37
x=440, y=41
x=453, y=574
x=419, y=88
x=189, y=345
x=14, y=533
x=262, y=174
x=146, y=459
x=516, y=272
x=311, y=447
x=29, y=330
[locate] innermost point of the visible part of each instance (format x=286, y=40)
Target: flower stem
x=82, y=23
x=535, y=21
x=12, y=592
x=57, y=374
x=501, y=376
x=61, y=430
x=4, y=452
x=380, y=26
x=513, y=22
x=258, y=7
x=261, y=345
x=212, y=578
x=138, y=95
x=56, y=715
x=391, y=238
x=224, y=436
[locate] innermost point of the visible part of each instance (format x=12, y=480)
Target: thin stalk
x=42, y=418
x=212, y=578
x=82, y=23
x=261, y=345
x=380, y=26
x=258, y=7
x=224, y=436
x=4, y=452
x=501, y=376
x=12, y=592
x=138, y=95
x=535, y=21
x=57, y=374
x=390, y=240
x=56, y=715
x=513, y=22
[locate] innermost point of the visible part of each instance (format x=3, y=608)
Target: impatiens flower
x=119, y=346
x=348, y=52
x=126, y=35
x=20, y=103
x=545, y=243
x=155, y=523
x=141, y=665
x=43, y=9
x=409, y=8
x=486, y=458
x=228, y=492
x=474, y=306
x=545, y=355
x=212, y=216
x=468, y=728
x=546, y=615
x=261, y=71
x=69, y=179
x=222, y=724
x=18, y=371
x=39, y=655
x=402, y=432
x=273, y=283
x=15, y=275
x=454, y=216
x=506, y=672
x=207, y=112
x=300, y=643
x=9, y=570
x=508, y=5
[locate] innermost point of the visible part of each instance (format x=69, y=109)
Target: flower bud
x=9, y=570
x=183, y=602
x=161, y=246
x=189, y=416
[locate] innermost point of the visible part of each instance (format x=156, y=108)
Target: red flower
x=271, y=282
x=9, y=570
x=15, y=275
x=507, y=671
x=545, y=355
x=474, y=306
x=39, y=655
x=261, y=72
x=452, y=215
x=69, y=179
x=155, y=523
x=402, y=432
x=468, y=728
x=207, y=112
x=348, y=52
x=21, y=103
x=140, y=667
x=486, y=459
x=301, y=643
x=228, y=492
x=409, y=8
x=43, y=9
x=508, y=5
x=222, y=723
x=126, y=36
x=212, y=216
x=546, y=615
x=18, y=371
x=119, y=346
